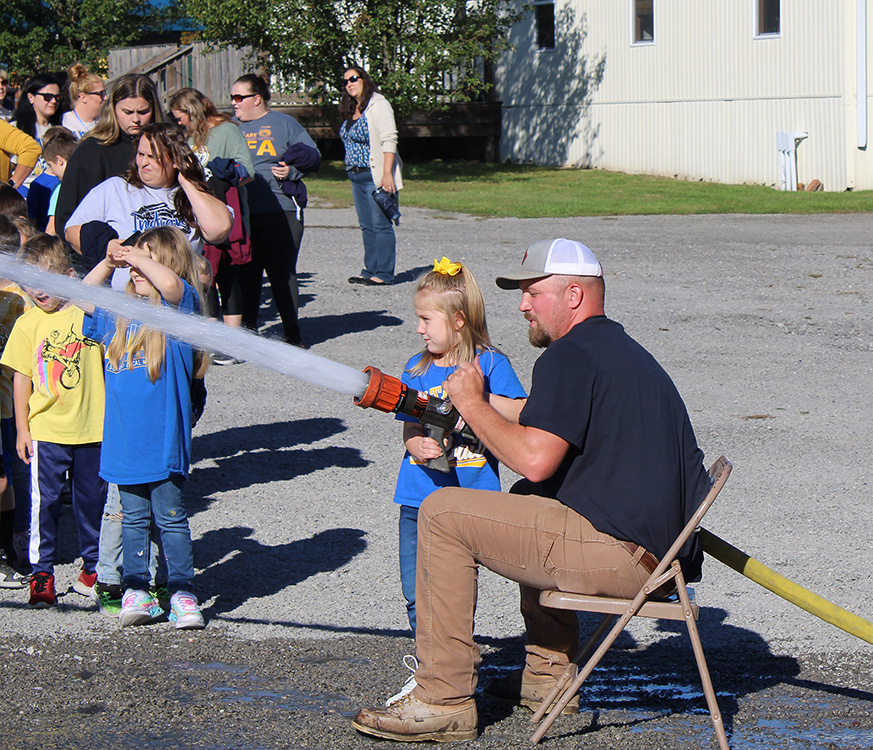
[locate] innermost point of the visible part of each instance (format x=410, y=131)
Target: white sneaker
x=11, y=578
x=411, y=663
x=138, y=608
x=185, y=612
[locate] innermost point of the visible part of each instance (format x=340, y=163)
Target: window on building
x=769, y=17
x=545, y=23
x=644, y=21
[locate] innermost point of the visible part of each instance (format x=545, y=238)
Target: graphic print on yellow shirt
x=58, y=365
x=66, y=372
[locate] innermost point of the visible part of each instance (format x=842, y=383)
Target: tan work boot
x=527, y=690
x=412, y=720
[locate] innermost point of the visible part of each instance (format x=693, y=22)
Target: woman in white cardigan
x=369, y=135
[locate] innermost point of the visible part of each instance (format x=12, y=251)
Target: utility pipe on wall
x=861, y=93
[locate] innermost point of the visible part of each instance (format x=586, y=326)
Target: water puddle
x=242, y=686
x=639, y=700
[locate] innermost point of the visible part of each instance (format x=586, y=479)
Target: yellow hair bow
x=446, y=267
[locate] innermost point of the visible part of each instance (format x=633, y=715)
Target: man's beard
x=538, y=336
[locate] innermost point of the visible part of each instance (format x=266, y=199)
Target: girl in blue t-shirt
x=147, y=425
x=451, y=319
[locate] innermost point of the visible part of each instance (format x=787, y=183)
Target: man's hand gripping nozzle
x=440, y=418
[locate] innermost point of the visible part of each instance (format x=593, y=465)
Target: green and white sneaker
x=162, y=594
x=108, y=597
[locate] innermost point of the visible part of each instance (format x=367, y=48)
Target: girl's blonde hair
x=201, y=111
x=80, y=79
x=452, y=290
x=169, y=247
x=130, y=86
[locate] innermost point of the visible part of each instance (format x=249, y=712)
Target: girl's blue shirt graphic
x=469, y=469
x=147, y=426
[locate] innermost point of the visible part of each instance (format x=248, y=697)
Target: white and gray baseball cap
x=553, y=257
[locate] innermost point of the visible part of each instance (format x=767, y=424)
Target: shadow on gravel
x=411, y=275
x=259, y=454
x=317, y=330
x=634, y=685
x=233, y=563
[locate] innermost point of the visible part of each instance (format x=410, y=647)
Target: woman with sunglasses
x=107, y=150
x=39, y=106
x=87, y=93
x=283, y=153
x=369, y=134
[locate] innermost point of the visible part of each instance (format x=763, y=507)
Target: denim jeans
x=408, y=542
x=109, y=564
x=162, y=501
x=379, y=241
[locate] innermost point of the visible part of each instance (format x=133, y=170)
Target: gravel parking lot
x=763, y=323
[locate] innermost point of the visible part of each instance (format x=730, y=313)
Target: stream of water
x=204, y=334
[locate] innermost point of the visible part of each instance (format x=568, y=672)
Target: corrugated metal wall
x=704, y=101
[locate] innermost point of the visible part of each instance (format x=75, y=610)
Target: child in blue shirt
x=451, y=314
x=147, y=428
x=451, y=320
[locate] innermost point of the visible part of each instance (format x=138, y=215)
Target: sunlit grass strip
x=541, y=192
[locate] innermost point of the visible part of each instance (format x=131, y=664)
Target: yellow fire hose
x=788, y=590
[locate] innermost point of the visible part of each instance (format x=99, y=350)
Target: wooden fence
x=470, y=130
x=173, y=67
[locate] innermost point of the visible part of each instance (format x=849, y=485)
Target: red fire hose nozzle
x=439, y=417
x=383, y=391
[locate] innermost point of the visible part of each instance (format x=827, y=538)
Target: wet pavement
x=162, y=688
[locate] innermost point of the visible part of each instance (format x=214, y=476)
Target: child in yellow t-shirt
x=58, y=396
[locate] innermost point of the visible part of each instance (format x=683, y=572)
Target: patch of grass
x=525, y=191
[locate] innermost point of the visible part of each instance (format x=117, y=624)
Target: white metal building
x=696, y=89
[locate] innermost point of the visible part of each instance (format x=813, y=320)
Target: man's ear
x=575, y=294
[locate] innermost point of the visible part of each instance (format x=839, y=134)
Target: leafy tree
x=38, y=36
x=422, y=53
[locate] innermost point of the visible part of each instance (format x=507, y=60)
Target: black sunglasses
x=351, y=79
x=49, y=97
x=239, y=97
x=101, y=93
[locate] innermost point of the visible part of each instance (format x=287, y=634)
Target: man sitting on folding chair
x=612, y=475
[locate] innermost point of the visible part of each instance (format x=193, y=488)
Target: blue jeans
x=379, y=241
x=408, y=542
x=162, y=501
x=109, y=563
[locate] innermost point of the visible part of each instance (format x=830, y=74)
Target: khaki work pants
x=536, y=541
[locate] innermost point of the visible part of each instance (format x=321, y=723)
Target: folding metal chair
x=668, y=572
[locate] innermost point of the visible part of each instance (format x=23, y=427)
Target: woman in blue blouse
x=369, y=134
